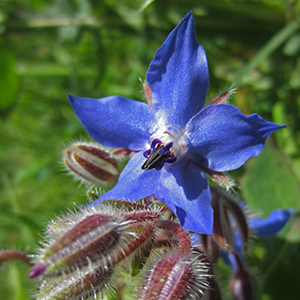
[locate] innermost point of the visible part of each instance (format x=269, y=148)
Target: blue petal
x=178, y=75
x=115, y=121
x=183, y=187
x=273, y=224
x=134, y=183
x=225, y=137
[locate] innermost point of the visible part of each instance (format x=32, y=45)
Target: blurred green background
x=95, y=48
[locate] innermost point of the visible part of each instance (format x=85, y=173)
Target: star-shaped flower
x=175, y=137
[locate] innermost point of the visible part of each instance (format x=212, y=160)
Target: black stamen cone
x=157, y=157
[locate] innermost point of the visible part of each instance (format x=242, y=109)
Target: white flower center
x=173, y=135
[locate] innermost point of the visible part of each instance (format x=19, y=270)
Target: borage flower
x=176, y=138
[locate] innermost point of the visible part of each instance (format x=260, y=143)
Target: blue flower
x=175, y=137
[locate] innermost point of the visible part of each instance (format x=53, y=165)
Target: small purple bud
x=91, y=163
x=177, y=276
x=97, y=233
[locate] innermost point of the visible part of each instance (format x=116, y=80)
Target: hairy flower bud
x=95, y=233
x=92, y=236
x=91, y=163
x=177, y=276
x=86, y=248
x=80, y=284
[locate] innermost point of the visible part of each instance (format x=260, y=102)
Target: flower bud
x=80, y=284
x=94, y=235
x=90, y=163
x=177, y=277
x=82, y=257
x=98, y=233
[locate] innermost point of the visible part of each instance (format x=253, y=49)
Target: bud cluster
x=85, y=251
x=178, y=276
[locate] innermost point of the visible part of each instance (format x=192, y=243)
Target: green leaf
x=269, y=182
x=9, y=81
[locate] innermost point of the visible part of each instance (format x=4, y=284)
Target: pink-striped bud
x=88, y=236
x=80, y=284
x=91, y=163
x=178, y=276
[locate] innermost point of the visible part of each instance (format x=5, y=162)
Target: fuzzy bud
x=177, y=276
x=86, y=248
x=92, y=237
x=100, y=232
x=90, y=163
x=80, y=284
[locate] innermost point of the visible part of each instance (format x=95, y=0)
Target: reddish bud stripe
x=101, y=154
x=90, y=162
x=99, y=173
x=93, y=237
